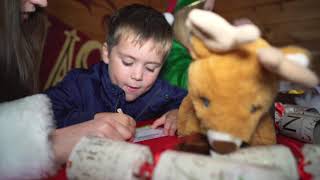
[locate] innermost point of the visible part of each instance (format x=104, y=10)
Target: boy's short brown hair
x=144, y=23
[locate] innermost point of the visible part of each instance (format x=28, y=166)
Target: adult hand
x=169, y=120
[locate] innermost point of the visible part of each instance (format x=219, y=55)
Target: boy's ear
x=105, y=53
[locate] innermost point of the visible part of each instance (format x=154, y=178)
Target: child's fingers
x=132, y=122
x=170, y=127
x=126, y=132
x=117, y=126
x=166, y=128
x=109, y=132
x=158, y=122
x=171, y=122
x=100, y=115
x=128, y=121
x=173, y=129
x=125, y=119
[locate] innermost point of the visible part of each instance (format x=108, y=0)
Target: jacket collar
x=107, y=85
x=115, y=96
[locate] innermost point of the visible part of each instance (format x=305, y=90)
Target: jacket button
x=166, y=96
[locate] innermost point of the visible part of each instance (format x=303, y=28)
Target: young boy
x=138, y=41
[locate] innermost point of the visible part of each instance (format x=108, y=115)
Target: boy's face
x=133, y=67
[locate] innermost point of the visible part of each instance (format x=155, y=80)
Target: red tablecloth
x=161, y=144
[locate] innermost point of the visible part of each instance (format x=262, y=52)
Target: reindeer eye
x=255, y=108
x=205, y=101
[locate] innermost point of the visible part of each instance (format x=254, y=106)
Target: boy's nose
x=137, y=74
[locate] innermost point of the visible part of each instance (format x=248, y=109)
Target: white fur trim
x=26, y=151
x=169, y=17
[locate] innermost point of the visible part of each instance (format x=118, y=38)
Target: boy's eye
x=150, y=69
x=127, y=63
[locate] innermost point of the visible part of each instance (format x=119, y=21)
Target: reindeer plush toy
x=233, y=81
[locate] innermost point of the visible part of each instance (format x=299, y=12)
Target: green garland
x=182, y=3
x=175, y=69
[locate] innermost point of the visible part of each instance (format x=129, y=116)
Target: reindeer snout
x=223, y=143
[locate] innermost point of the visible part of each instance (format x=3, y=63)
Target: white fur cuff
x=26, y=151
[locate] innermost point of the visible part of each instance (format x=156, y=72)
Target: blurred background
x=76, y=28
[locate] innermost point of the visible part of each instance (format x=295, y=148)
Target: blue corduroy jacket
x=85, y=92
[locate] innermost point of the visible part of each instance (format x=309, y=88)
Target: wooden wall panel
x=232, y=5
x=277, y=12
x=88, y=16
x=281, y=21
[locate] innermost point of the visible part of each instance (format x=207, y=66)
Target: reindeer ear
x=217, y=33
x=247, y=33
x=282, y=63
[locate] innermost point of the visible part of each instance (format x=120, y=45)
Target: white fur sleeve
x=26, y=151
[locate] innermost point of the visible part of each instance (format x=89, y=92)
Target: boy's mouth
x=132, y=89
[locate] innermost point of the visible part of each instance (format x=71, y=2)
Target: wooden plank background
x=88, y=16
x=282, y=22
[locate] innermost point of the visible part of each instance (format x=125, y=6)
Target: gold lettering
x=64, y=61
x=84, y=52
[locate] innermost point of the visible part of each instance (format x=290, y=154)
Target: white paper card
x=146, y=133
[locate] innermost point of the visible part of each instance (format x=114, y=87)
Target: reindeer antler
x=218, y=34
x=275, y=61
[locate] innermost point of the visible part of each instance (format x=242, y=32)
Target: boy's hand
x=117, y=126
x=169, y=120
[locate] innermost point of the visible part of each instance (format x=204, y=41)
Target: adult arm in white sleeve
x=25, y=138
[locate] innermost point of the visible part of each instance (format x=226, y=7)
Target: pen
x=119, y=110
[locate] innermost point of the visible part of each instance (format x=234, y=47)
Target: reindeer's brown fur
x=234, y=83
